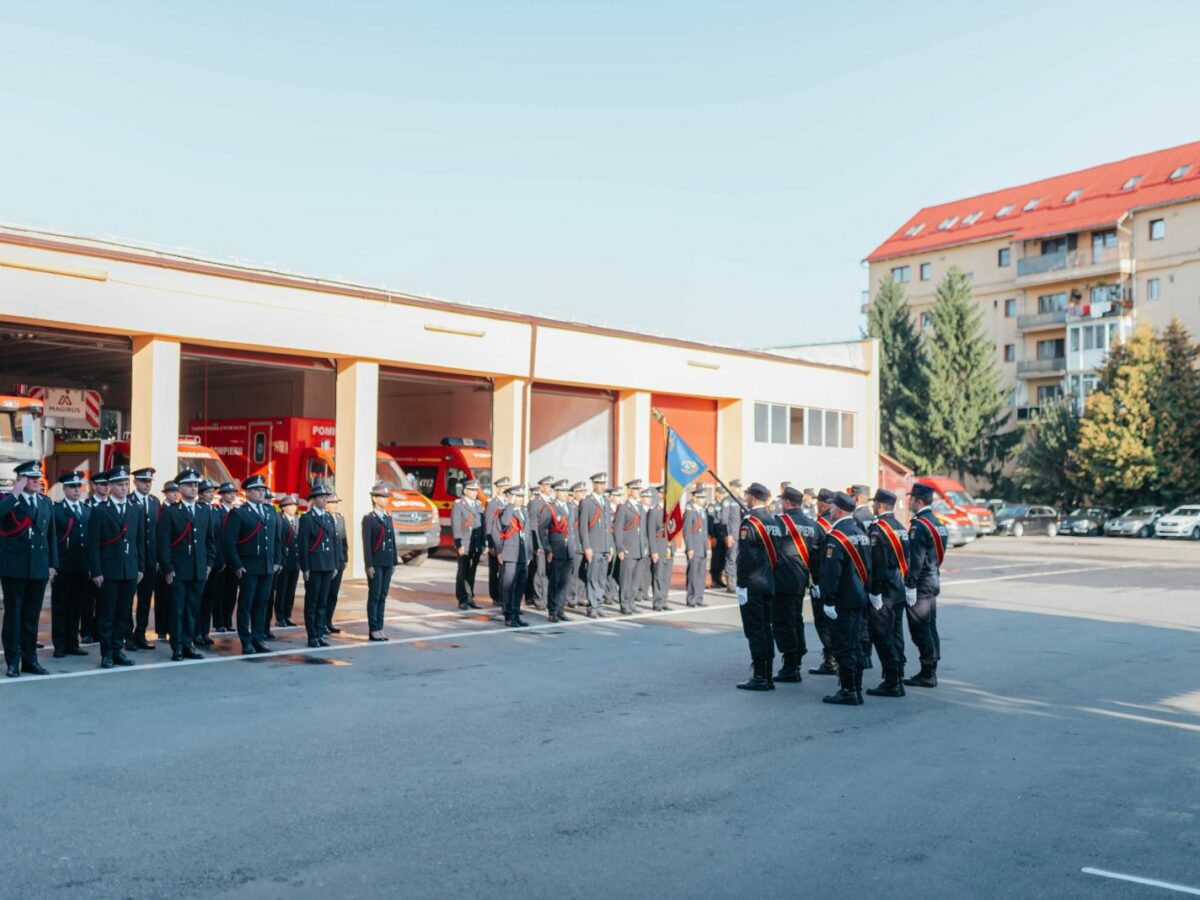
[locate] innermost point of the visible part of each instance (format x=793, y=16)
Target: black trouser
x=882, y=625
x=145, y=593
x=716, y=563
x=464, y=588
x=495, y=567
x=254, y=593
x=756, y=625
x=558, y=573
x=285, y=594
x=821, y=625
x=89, y=611
x=185, y=612
x=229, y=596
x=162, y=603
x=472, y=571
x=631, y=569
x=898, y=617
x=661, y=580
x=512, y=586
x=114, y=615
x=22, y=609
x=844, y=632
x=788, y=620
x=864, y=636
x=922, y=625
x=209, y=598
x=331, y=599
x=695, y=580
x=377, y=591
x=316, y=603
x=595, y=575
x=69, y=592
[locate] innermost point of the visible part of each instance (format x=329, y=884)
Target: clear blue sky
x=715, y=170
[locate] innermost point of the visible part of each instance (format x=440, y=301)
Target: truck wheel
x=416, y=559
x=1018, y=529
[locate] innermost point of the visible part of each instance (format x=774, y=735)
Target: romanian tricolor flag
x=682, y=468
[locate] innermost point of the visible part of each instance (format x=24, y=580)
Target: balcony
x=1041, y=368
x=1070, y=264
x=1051, y=319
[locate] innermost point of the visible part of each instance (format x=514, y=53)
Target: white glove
x=910, y=596
x=876, y=601
x=816, y=592
x=830, y=612
x=743, y=596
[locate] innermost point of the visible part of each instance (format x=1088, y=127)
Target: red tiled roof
x=1102, y=202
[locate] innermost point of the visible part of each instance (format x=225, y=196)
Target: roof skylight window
x=1131, y=183
x=972, y=218
x=1032, y=204
x=1004, y=210
x=914, y=230
x=947, y=223
x=1179, y=173
x=1073, y=196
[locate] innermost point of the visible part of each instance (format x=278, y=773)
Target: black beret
x=825, y=495
x=843, y=501
x=758, y=491
x=884, y=496
x=921, y=492
x=791, y=495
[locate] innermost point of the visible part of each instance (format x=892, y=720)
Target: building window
x=816, y=419
x=1073, y=338
x=848, y=430
x=1051, y=349
x=1073, y=196
x=900, y=274
x=1010, y=308
x=1003, y=256
x=1158, y=229
x=1010, y=352
x=1153, y=289
x=1054, y=245
x=762, y=423
x=926, y=271
x=1131, y=183
x=1052, y=303
x=779, y=424
x=796, y=433
x=926, y=320
x=1004, y=210
x=1047, y=393
x=1032, y=204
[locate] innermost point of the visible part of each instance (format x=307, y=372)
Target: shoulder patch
x=743, y=533
x=829, y=551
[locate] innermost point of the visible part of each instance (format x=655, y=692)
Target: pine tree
x=903, y=379
x=966, y=405
x=1045, y=471
x=1176, y=407
x=1115, y=457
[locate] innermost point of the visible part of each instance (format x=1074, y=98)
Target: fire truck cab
x=23, y=435
x=439, y=472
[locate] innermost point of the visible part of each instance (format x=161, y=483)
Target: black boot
x=846, y=695
x=890, y=686
x=926, y=678
x=828, y=665
x=789, y=672
x=761, y=679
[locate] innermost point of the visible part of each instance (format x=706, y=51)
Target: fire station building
x=164, y=339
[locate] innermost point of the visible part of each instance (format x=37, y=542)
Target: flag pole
x=661, y=419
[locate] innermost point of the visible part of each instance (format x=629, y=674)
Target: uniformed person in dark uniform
x=865, y=515
x=71, y=588
x=212, y=584
x=162, y=590
x=97, y=494
x=731, y=519
x=379, y=558
x=612, y=585
x=797, y=545
x=576, y=588
x=595, y=541
x=889, y=566
x=539, y=584
x=845, y=575
x=466, y=528
x=227, y=583
x=820, y=623
x=141, y=499
x=342, y=546
x=756, y=557
x=289, y=576
x=716, y=530
x=927, y=540
x=515, y=550
x=491, y=536
x=662, y=554
x=318, y=562
x=251, y=545
x=695, y=546
x=187, y=545
x=553, y=533
x=28, y=559
x=116, y=563
x=629, y=530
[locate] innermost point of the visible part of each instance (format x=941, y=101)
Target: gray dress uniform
x=695, y=543
x=575, y=586
x=656, y=533
x=516, y=549
x=730, y=515
x=629, y=530
x=595, y=534
x=539, y=578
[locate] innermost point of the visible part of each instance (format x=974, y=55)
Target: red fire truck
x=291, y=452
x=94, y=456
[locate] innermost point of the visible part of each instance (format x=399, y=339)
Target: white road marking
x=1150, y=882
x=1099, y=567
x=362, y=643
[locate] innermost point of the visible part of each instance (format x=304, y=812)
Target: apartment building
x=1064, y=267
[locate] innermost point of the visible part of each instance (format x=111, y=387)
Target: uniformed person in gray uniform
x=661, y=555
x=515, y=551
x=553, y=532
x=612, y=587
x=731, y=521
x=595, y=542
x=539, y=579
x=695, y=546
x=491, y=536
x=576, y=589
x=466, y=527
x=629, y=529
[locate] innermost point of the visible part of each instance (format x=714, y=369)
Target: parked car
x=1139, y=521
x=1181, y=522
x=1085, y=520
x=995, y=505
x=1019, y=520
x=959, y=527
x=953, y=494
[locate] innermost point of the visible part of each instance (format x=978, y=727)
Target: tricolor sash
x=825, y=524
x=852, y=552
x=797, y=539
x=938, y=546
x=766, y=539
x=894, y=540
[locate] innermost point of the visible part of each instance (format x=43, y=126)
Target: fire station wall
x=254, y=391
x=570, y=435
x=414, y=413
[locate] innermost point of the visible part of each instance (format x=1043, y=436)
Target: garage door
x=694, y=419
x=419, y=409
x=570, y=432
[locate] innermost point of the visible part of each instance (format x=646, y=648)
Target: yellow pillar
x=633, y=429
x=356, y=420
x=154, y=407
x=732, y=429
x=510, y=428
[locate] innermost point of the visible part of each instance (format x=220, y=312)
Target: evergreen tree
x=1115, y=457
x=966, y=406
x=1045, y=470
x=1176, y=408
x=903, y=380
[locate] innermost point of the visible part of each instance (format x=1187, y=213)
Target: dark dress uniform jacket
x=378, y=541
x=151, y=509
x=71, y=529
x=754, y=569
x=252, y=540
x=864, y=516
x=841, y=585
x=28, y=542
x=290, y=554
x=187, y=543
x=885, y=568
x=554, y=526
x=922, y=554
x=695, y=531
x=116, y=549
x=595, y=525
x=341, y=541
x=318, y=543
x=791, y=575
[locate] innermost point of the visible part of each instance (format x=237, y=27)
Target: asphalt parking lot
x=614, y=757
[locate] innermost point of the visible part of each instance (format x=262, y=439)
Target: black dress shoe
x=269, y=635
x=177, y=656
x=521, y=623
x=472, y=604
x=76, y=651
x=260, y=647
x=314, y=642
x=373, y=638
x=141, y=643
x=463, y=606
x=121, y=659
x=562, y=616
x=14, y=671
x=106, y=662
x=60, y=654
x=321, y=642
x=332, y=629
x=205, y=641
x=189, y=653
x=40, y=646
x=552, y=618
x=248, y=651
